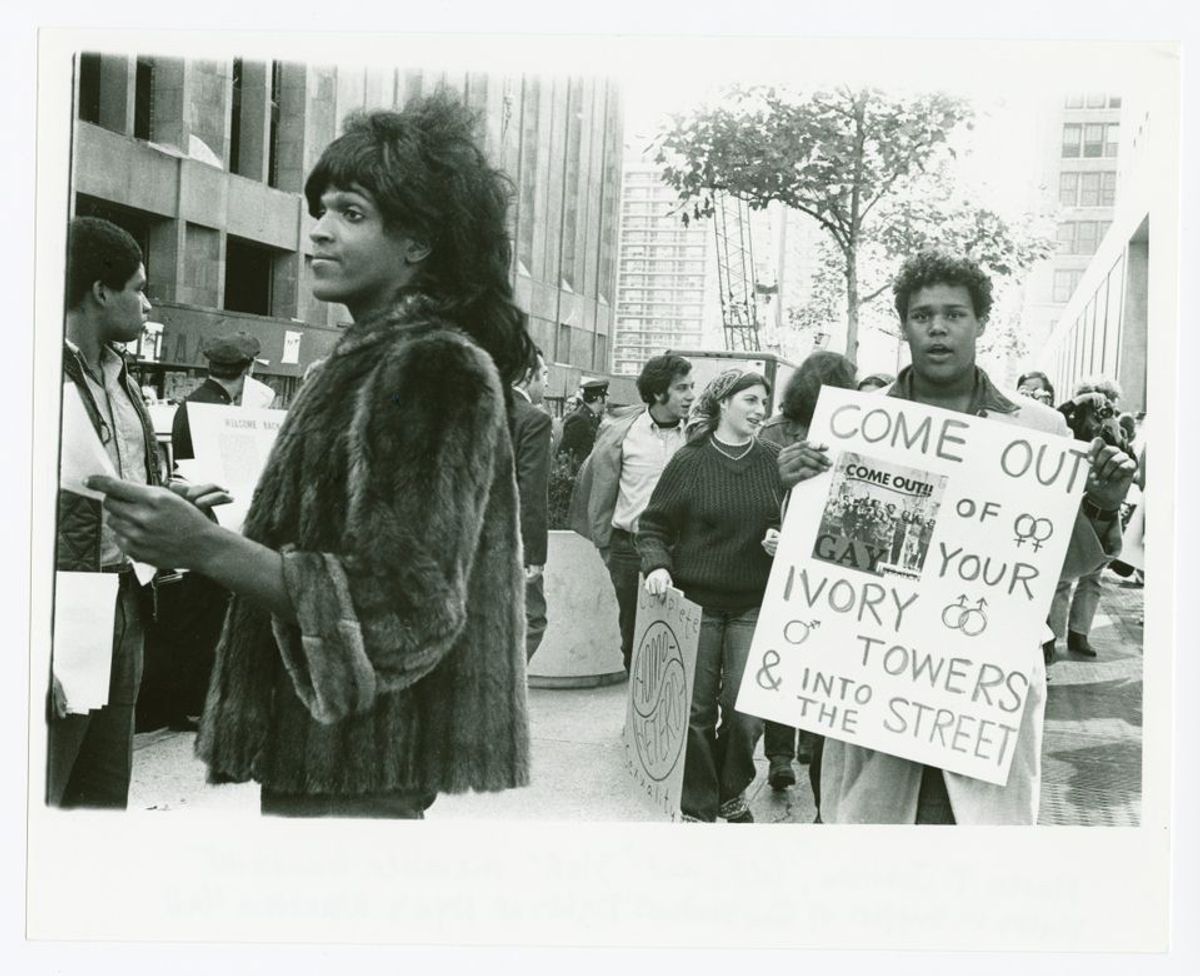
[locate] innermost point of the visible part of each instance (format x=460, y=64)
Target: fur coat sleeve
x=381, y=613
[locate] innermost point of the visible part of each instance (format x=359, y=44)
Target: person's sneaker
x=781, y=775
x=1078, y=644
x=736, y=811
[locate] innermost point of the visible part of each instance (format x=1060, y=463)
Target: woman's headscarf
x=706, y=408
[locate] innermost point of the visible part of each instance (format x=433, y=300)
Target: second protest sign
x=906, y=604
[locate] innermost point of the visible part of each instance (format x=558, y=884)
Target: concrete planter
x=582, y=645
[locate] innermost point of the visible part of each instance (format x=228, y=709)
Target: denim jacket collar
x=985, y=398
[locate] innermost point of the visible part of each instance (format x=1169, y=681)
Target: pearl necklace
x=732, y=457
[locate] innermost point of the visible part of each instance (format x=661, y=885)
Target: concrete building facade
x=1103, y=327
x=204, y=161
x=1079, y=139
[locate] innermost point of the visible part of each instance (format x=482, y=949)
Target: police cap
x=230, y=350
x=594, y=389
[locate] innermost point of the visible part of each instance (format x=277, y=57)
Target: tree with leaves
x=867, y=166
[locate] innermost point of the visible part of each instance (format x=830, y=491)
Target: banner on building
x=908, y=598
x=660, y=697
x=231, y=446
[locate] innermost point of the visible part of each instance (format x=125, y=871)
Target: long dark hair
x=818, y=369
x=432, y=181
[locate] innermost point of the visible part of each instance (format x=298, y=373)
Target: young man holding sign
x=943, y=303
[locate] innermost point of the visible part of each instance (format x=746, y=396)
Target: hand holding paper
x=155, y=525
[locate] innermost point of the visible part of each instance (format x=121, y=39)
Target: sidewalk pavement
x=1091, y=774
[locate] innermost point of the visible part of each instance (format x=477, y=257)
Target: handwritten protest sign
x=231, y=445
x=907, y=601
x=660, y=697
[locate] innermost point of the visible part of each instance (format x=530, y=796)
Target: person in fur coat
x=374, y=655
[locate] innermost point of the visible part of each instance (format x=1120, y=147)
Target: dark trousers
x=393, y=804
x=535, y=614
x=624, y=566
x=933, y=801
x=719, y=763
x=91, y=756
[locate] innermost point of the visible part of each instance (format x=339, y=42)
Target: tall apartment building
x=204, y=161
x=1103, y=328
x=1079, y=142
x=661, y=280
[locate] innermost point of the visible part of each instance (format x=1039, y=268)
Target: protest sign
x=231, y=447
x=908, y=598
x=660, y=697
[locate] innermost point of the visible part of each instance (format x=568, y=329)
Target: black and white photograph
x=879, y=517
x=381, y=380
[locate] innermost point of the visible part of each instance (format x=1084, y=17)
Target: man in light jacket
x=943, y=303
x=618, y=477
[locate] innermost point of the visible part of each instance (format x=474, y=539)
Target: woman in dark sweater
x=704, y=533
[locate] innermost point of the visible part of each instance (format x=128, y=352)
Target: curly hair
x=658, y=374
x=98, y=250
x=706, y=408
x=430, y=179
x=1100, y=384
x=932, y=267
x=818, y=369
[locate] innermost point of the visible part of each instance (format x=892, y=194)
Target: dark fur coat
x=390, y=492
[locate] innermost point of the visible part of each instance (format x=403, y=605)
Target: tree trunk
x=852, y=304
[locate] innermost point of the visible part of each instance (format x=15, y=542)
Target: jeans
x=1082, y=606
x=535, y=614
x=624, y=566
x=719, y=763
x=91, y=756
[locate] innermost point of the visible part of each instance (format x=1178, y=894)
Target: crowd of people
x=377, y=610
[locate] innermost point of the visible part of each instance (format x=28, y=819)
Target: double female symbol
x=1032, y=530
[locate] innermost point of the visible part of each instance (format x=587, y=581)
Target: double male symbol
x=1032, y=530
x=972, y=621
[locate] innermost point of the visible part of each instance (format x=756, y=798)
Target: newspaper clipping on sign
x=907, y=601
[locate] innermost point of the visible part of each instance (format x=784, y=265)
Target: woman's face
x=1035, y=388
x=743, y=412
x=356, y=260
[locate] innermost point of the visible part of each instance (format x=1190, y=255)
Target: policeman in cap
x=230, y=358
x=580, y=426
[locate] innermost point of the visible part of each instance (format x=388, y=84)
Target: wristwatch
x=1096, y=513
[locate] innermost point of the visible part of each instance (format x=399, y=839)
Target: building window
x=1068, y=189
x=1114, y=101
x=89, y=88
x=1086, y=237
x=1065, y=283
x=1093, y=141
x=248, y=268
x=1075, y=101
x=143, y=99
x=1096, y=100
x=1112, y=135
x=1108, y=188
x=235, y=126
x=276, y=89
x=1066, y=237
x=1089, y=190
x=1071, y=136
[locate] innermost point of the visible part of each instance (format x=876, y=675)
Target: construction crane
x=735, y=274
